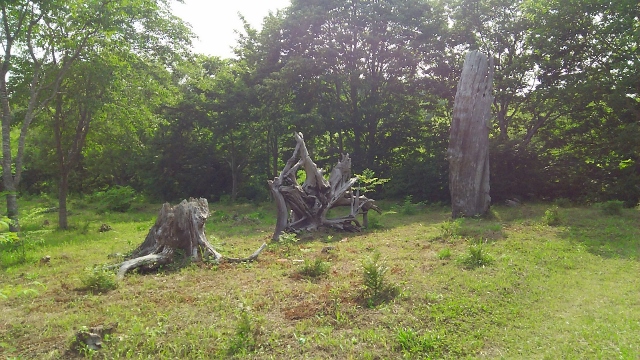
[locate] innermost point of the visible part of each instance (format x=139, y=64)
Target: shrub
x=612, y=207
x=408, y=207
x=451, y=229
x=243, y=340
x=552, y=216
x=562, y=202
x=117, y=198
x=444, y=254
x=377, y=289
x=98, y=279
x=314, y=269
x=476, y=257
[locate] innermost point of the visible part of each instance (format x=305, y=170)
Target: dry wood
x=305, y=207
x=468, y=152
x=178, y=230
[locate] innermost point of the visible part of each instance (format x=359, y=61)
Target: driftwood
x=179, y=230
x=305, y=207
x=468, y=152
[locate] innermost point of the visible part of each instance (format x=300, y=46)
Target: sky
x=214, y=21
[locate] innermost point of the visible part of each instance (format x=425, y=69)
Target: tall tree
x=46, y=38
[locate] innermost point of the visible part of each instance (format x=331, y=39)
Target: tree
x=44, y=39
x=468, y=152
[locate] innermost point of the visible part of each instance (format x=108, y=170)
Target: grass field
x=416, y=285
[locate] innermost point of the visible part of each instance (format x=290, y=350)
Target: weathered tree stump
x=305, y=207
x=179, y=230
x=468, y=152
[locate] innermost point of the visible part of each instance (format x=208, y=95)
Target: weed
x=451, y=229
x=475, y=257
x=413, y=344
x=287, y=239
x=98, y=279
x=314, y=269
x=408, y=207
x=612, y=207
x=377, y=290
x=552, y=216
x=243, y=340
x=444, y=254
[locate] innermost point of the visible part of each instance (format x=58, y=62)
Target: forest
x=99, y=95
x=107, y=112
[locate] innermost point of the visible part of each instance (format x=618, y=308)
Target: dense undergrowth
x=534, y=281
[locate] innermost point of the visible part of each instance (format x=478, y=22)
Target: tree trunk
x=63, y=191
x=305, y=207
x=179, y=230
x=468, y=152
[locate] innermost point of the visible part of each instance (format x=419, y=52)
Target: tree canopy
x=375, y=79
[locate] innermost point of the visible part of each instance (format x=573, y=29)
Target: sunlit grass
x=566, y=291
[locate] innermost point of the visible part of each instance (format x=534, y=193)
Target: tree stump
x=179, y=230
x=305, y=207
x=468, y=152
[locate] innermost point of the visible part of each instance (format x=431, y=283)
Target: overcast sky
x=214, y=21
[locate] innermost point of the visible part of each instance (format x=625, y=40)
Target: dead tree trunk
x=179, y=230
x=468, y=152
x=305, y=207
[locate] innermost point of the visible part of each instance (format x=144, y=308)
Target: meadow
x=537, y=281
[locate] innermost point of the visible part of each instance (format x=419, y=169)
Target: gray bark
x=178, y=230
x=468, y=152
x=305, y=207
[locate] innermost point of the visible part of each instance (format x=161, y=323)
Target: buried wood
x=179, y=230
x=305, y=207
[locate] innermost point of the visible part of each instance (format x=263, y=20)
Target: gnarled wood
x=178, y=230
x=305, y=207
x=468, y=152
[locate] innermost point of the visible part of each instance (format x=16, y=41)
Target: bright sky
x=214, y=21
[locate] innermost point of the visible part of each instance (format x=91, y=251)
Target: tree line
x=101, y=93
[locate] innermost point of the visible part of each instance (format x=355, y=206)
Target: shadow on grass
x=608, y=236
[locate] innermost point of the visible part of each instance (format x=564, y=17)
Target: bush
x=476, y=257
x=98, y=279
x=408, y=207
x=117, y=198
x=613, y=207
x=552, y=216
x=377, y=289
x=314, y=269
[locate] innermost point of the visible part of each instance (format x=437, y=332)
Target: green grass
x=568, y=291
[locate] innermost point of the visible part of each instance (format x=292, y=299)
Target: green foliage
x=476, y=257
x=444, y=254
x=408, y=207
x=376, y=287
x=287, y=238
x=243, y=340
x=374, y=222
x=552, y=216
x=423, y=346
x=450, y=229
x=612, y=207
x=117, y=198
x=562, y=202
x=98, y=279
x=315, y=268
x=367, y=182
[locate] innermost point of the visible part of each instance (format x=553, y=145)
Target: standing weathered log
x=468, y=152
x=178, y=230
x=305, y=207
